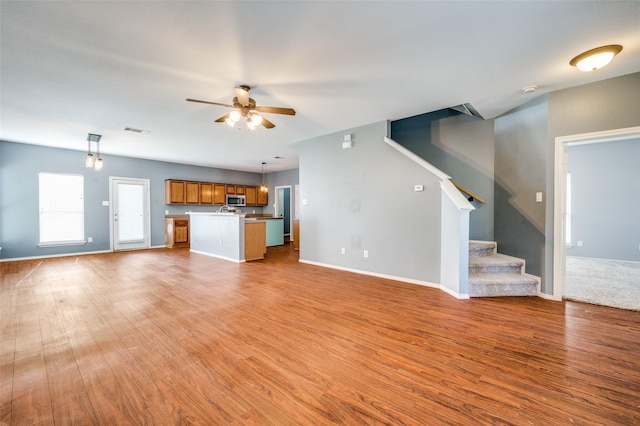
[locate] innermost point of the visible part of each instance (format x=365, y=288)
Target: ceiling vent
x=134, y=130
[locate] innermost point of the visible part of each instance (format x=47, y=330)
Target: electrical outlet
x=90, y=239
x=366, y=253
x=342, y=250
x=579, y=243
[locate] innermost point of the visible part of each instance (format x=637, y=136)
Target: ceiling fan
x=244, y=106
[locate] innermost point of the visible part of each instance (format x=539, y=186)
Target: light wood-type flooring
x=171, y=337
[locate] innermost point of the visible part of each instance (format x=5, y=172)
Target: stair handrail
x=470, y=194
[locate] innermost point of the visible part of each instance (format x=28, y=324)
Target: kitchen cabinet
x=219, y=194
x=263, y=198
x=255, y=240
x=296, y=234
x=251, y=194
x=206, y=193
x=175, y=191
x=176, y=231
x=192, y=190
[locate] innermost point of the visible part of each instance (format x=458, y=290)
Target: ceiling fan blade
x=266, y=123
x=276, y=110
x=210, y=103
x=222, y=119
x=242, y=93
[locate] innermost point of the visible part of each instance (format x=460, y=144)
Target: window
x=61, y=209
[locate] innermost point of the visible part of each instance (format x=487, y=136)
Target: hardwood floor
x=170, y=337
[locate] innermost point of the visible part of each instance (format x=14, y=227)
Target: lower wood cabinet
x=296, y=234
x=255, y=240
x=176, y=231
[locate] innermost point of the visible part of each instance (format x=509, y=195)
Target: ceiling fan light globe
x=256, y=119
x=251, y=125
x=235, y=115
x=230, y=122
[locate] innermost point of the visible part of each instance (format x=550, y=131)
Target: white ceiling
x=75, y=67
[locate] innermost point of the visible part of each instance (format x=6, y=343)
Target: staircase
x=492, y=274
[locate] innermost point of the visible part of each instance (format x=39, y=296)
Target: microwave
x=236, y=200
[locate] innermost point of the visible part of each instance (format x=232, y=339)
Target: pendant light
x=90, y=160
x=263, y=186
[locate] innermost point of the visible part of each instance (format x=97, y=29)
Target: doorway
x=129, y=214
x=561, y=194
x=283, y=207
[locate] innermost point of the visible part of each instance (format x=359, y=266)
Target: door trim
x=559, y=196
x=277, y=207
x=147, y=201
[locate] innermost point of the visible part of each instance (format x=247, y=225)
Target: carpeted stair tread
x=492, y=274
x=481, y=248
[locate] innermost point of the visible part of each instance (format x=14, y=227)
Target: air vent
x=134, y=130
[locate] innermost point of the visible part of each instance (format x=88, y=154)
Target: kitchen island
x=228, y=236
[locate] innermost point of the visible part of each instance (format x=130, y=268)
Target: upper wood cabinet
x=263, y=198
x=193, y=192
x=175, y=191
x=251, y=194
x=189, y=192
x=206, y=193
x=219, y=194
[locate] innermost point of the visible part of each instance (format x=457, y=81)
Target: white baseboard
x=13, y=259
x=217, y=256
x=549, y=296
x=386, y=276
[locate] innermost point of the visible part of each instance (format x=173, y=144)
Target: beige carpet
x=603, y=282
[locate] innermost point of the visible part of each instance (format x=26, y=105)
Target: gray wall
x=363, y=199
x=605, y=187
x=19, y=168
x=604, y=105
x=281, y=178
x=462, y=147
x=520, y=172
x=524, y=152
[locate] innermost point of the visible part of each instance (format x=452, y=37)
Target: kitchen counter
x=224, y=235
x=275, y=229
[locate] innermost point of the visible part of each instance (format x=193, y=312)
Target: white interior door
x=130, y=217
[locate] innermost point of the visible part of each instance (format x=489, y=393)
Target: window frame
x=72, y=214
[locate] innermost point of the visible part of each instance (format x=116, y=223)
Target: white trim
x=419, y=160
x=290, y=205
x=147, y=195
x=455, y=196
x=217, y=256
x=12, y=259
x=559, y=182
x=387, y=277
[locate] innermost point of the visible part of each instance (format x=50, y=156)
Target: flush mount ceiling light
x=597, y=58
x=90, y=160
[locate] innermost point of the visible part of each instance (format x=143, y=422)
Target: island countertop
x=222, y=235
